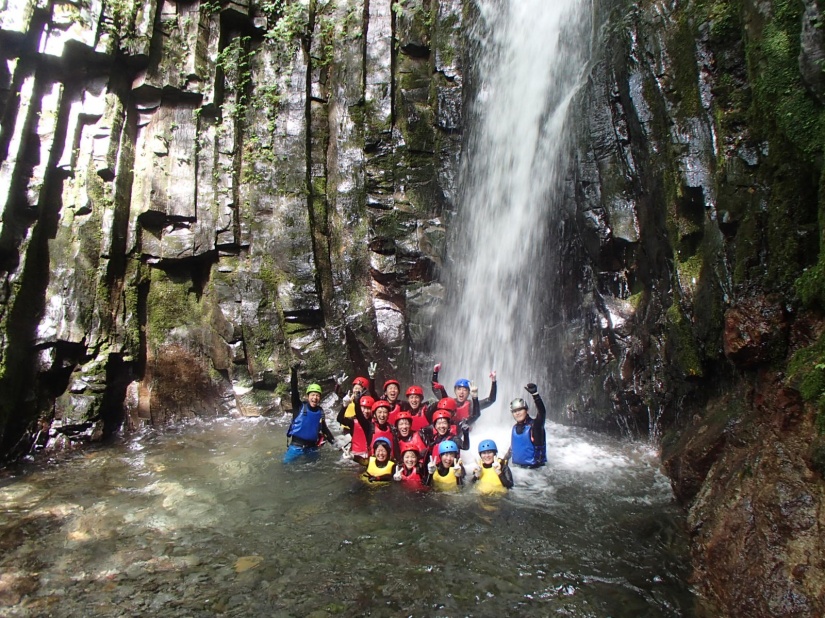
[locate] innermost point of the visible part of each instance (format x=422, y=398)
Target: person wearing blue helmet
x=445, y=471
x=528, y=442
x=466, y=394
x=308, y=427
x=493, y=475
x=380, y=466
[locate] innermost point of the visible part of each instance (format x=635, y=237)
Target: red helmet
x=438, y=414
x=362, y=382
x=448, y=403
x=381, y=404
x=366, y=402
x=409, y=446
x=415, y=390
x=392, y=381
x=402, y=414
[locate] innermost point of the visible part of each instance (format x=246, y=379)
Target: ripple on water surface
x=205, y=521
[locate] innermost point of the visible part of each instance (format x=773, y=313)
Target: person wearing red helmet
x=379, y=426
x=409, y=471
x=405, y=435
x=416, y=407
x=442, y=428
x=359, y=447
x=392, y=393
x=464, y=388
x=360, y=386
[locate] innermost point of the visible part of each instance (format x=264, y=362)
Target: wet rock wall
x=199, y=195
x=696, y=265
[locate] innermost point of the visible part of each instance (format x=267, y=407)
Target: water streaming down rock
x=532, y=56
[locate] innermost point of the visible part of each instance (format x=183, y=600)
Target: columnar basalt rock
x=209, y=193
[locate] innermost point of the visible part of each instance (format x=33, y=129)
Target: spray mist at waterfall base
x=206, y=521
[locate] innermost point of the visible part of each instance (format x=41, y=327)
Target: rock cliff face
x=699, y=210
x=201, y=194
x=197, y=196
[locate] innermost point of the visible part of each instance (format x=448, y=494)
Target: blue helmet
x=487, y=445
x=448, y=446
x=382, y=441
x=463, y=383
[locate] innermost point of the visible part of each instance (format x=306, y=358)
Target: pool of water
x=204, y=520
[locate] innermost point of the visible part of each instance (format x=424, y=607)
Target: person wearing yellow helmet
x=308, y=427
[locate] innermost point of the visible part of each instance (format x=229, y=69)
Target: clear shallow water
x=205, y=520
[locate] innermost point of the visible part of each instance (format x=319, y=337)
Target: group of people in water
x=418, y=442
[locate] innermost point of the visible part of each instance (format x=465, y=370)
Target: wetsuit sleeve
x=475, y=411
x=429, y=408
x=508, y=454
x=373, y=394
x=365, y=423
x=537, y=429
x=486, y=403
x=342, y=418
x=327, y=433
x=293, y=389
x=439, y=391
x=460, y=479
x=465, y=441
x=506, y=476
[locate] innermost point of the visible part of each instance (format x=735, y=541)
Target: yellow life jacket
x=449, y=482
x=350, y=412
x=373, y=469
x=489, y=482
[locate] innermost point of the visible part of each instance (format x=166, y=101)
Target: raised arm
x=438, y=390
x=294, y=393
x=486, y=403
x=539, y=436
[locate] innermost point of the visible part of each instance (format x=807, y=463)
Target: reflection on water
x=206, y=521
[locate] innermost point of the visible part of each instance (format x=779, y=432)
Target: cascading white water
x=531, y=56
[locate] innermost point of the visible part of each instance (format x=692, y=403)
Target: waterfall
x=530, y=58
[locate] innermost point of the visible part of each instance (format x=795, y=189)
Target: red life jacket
x=416, y=442
x=387, y=433
x=462, y=412
x=413, y=478
x=358, y=446
x=394, y=413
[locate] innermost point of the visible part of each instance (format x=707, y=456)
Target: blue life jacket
x=307, y=425
x=525, y=453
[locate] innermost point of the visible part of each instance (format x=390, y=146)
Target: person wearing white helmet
x=528, y=441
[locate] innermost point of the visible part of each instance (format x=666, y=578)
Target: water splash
x=531, y=57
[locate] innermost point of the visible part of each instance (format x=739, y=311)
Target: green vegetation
x=806, y=373
x=682, y=349
x=170, y=305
